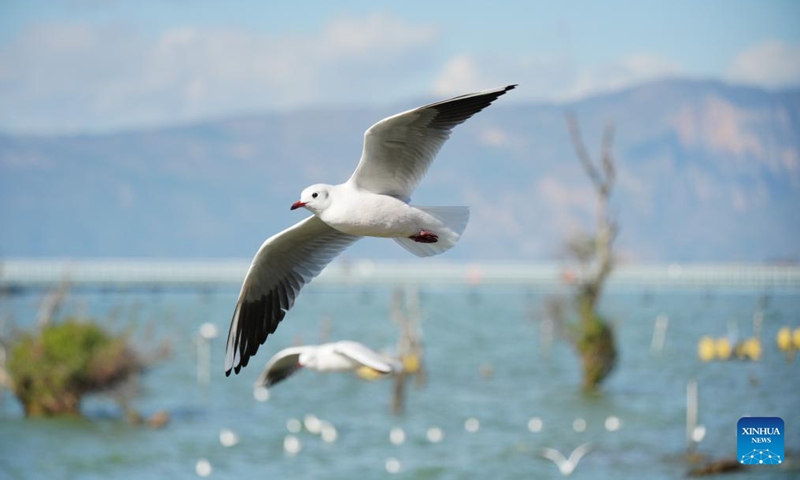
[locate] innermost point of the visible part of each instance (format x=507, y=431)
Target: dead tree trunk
x=595, y=338
x=405, y=313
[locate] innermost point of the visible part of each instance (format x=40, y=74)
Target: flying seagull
x=328, y=357
x=566, y=466
x=374, y=202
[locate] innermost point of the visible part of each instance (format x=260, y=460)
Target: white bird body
x=366, y=214
x=362, y=213
x=373, y=202
x=329, y=357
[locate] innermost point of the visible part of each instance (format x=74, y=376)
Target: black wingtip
x=499, y=90
x=506, y=89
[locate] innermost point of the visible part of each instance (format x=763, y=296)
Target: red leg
x=425, y=236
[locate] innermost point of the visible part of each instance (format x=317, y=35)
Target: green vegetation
x=595, y=343
x=54, y=368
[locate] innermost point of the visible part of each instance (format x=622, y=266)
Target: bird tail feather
x=452, y=220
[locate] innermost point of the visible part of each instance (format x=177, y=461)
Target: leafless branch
x=600, y=249
x=580, y=150
x=608, y=157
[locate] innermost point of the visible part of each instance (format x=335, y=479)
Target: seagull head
x=314, y=198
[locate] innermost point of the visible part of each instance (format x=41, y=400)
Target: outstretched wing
x=280, y=366
x=366, y=357
x=554, y=455
x=399, y=149
x=282, y=266
x=579, y=452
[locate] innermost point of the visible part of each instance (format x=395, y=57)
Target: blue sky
x=104, y=65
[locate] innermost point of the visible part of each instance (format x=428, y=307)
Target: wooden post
x=405, y=313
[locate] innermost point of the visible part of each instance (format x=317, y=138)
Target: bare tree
x=593, y=337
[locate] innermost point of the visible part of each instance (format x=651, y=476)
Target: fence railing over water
x=125, y=273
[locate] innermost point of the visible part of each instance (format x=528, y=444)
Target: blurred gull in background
x=566, y=465
x=328, y=357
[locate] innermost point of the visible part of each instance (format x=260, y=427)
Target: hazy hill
x=706, y=172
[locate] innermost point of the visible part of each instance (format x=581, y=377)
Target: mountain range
x=706, y=171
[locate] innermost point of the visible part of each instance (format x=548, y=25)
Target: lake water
x=466, y=330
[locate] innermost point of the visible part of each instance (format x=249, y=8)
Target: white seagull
x=328, y=357
x=566, y=466
x=374, y=202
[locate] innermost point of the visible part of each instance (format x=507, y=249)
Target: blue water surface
x=486, y=357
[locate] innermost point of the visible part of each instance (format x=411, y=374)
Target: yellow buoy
x=784, y=338
x=751, y=348
x=796, y=338
x=411, y=363
x=705, y=349
x=368, y=373
x=723, y=348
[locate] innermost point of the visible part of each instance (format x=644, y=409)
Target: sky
x=87, y=66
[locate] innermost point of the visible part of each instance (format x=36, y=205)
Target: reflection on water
x=491, y=425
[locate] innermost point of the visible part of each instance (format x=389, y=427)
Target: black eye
x=314, y=195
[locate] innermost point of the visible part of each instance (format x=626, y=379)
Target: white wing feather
x=399, y=149
x=282, y=266
x=366, y=356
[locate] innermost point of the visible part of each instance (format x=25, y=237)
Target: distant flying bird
x=566, y=466
x=374, y=202
x=328, y=357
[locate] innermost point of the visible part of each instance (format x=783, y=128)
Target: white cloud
x=459, y=74
x=624, y=72
x=772, y=63
x=62, y=77
x=494, y=137
x=540, y=76
x=376, y=34
x=549, y=77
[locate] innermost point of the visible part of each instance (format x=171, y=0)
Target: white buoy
x=293, y=425
x=227, y=438
x=208, y=331
x=203, y=467
x=613, y=423
x=691, y=411
x=261, y=394
x=312, y=423
x=392, y=465
x=472, y=425
x=659, y=334
x=435, y=434
x=328, y=432
x=535, y=424
x=699, y=433
x=397, y=436
x=579, y=425
x=292, y=445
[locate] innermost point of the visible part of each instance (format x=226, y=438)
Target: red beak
x=297, y=205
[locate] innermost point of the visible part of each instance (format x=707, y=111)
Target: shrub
x=51, y=370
